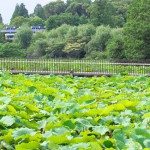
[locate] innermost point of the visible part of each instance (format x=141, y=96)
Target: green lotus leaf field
x=74, y=113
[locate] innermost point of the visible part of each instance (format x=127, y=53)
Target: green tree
x=19, y=21
x=1, y=19
x=99, y=40
x=38, y=36
x=78, y=1
x=16, y=12
x=23, y=37
x=37, y=49
x=64, y=18
x=137, y=31
x=115, y=45
x=38, y=39
x=39, y=11
x=101, y=13
x=57, y=41
x=23, y=11
x=55, y=48
x=75, y=50
x=85, y=31
x=1, y=26
x=51, y=23
x=10, y=50
x=68, y=18
x=36, y=21
x=121, y=7
x=77, y=38
x=78, y=8
x=2, y=35
x=20, y=10
x=54, y=8
x=2, y=38
x=59, y=32
x=72, y=34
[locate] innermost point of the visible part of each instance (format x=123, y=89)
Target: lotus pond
x=74, y=113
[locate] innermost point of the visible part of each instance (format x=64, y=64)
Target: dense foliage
x=23, y=37
x=121, y=29
x=20, y=10
x=1, y=19
x=74, y=112
x=137, y=30
x=39, y=11
x=101, y=13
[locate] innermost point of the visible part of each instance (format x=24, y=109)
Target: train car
x=9, y=36
x=11, y=30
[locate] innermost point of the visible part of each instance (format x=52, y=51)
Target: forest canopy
x=100, y=29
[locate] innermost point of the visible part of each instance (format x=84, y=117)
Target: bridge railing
x=67, y=66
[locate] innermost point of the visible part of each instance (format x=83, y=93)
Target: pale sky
x=7, y=7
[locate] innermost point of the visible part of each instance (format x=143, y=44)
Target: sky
x=7, y=7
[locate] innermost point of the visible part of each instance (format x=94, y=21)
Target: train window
x=37, y=27
x=9, y=37
x=10, y=28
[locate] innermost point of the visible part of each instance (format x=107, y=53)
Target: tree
x=68, y=18
x=38, y=36
x=101, y=13
x=2, y=26
x=137, y=31
x=39, y=11
x=20, y=10
x=51, y=23
x=72, y=34
x=77, y=38
x=115, y=45
x=1, y=19
x=86, y=31
x=99, y=40
x=57, y=41
x=54, y=8
x=64, y=18
x=10, y=50
x=59, y=32
x=76, y=47
x=16, y=12
x=2, y=38
x=55, y=48
x=75, y=50
x=2, y=35
x=36, y=21
x=37, y=49
x=23, y=37
x=78, y=8
x=19, y=21
x=38, y=45
x=78, y=1
x=23, y=11
x=121, y=7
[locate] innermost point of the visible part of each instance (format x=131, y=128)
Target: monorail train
x=11, y=30
x=38, y=28
x=32, y=27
